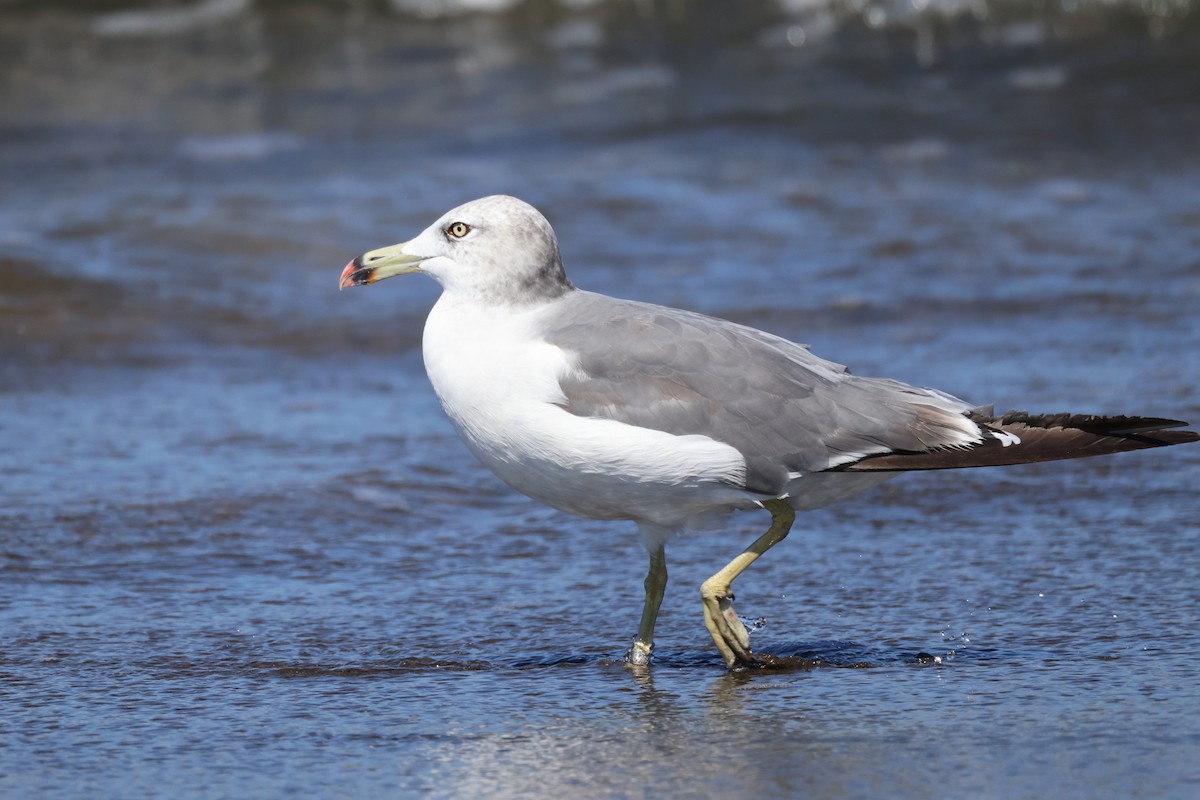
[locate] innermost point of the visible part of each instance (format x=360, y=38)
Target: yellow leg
x=656, y=585
x=723, y=625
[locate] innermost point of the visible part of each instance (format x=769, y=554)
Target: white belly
x=498, y=383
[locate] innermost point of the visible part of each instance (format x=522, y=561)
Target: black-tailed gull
x=614, y=409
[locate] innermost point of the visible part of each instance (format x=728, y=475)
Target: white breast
x=498, y=382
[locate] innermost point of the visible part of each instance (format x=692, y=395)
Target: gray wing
x=787, y=411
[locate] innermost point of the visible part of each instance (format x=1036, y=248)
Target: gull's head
x=495, y=249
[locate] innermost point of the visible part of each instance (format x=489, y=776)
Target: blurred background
x=239, y=542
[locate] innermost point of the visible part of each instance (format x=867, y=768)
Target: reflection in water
x=240, y=547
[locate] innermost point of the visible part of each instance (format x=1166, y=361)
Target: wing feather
x=784, y=409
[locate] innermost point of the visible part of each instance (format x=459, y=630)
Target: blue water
x=242, y=553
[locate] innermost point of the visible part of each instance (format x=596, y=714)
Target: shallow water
x=243, y=553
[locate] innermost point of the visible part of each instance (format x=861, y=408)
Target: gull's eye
x=458, y=229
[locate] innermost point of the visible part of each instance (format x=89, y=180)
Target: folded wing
x=791, y=413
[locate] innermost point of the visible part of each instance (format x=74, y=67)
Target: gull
x=620, y=410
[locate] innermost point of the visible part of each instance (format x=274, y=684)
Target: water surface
x=243, y=553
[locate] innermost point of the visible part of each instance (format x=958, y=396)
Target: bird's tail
x=1022, y=438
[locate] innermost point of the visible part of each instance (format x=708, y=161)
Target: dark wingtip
x=1177, y=437
x=1039, y=437
x=1122, y=425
